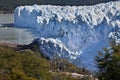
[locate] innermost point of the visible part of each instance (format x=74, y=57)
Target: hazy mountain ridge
x=14, y=3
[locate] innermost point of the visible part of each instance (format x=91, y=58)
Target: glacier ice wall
x=73, y=32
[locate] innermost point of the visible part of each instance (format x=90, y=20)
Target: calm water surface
x=13, y=34
x=6, y=18
x=16, y=35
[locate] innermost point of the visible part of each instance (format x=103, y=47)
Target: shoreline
x=6, y=11
x=13, y=45
x=11, y=34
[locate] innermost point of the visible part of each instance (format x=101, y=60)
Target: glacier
x=72, y=32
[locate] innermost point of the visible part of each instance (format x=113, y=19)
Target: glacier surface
x=72, y=32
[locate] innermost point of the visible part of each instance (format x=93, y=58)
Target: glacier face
x=73, y=32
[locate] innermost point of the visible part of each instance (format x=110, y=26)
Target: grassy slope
x=26, y=65
x=22, y=65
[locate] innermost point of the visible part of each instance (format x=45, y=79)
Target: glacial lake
x=12, y=34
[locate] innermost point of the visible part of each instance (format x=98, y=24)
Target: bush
x=22, y=65
x=28, y=65
x=109, y=64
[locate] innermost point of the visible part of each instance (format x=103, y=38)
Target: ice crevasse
x=73, y=32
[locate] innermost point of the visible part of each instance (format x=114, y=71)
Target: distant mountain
x=11, y=4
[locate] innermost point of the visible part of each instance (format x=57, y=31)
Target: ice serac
x=73, y=32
